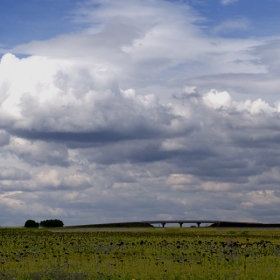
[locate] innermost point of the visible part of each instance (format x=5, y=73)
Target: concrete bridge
x=198, y=222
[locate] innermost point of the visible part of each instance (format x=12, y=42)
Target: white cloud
x=217, y=99
x=69, y=98
x=156, y=49
x=228, y=26
x=227, y=2
x=57, y=180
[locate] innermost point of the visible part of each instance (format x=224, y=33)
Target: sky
x=114, y=111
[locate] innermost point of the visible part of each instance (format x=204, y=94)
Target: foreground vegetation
x=140, y=254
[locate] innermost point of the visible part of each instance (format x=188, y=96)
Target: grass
x=169, y=253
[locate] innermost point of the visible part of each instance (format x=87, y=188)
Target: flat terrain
x=170, y=253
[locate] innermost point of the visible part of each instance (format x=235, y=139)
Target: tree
x=51, y=223
x=31, y=224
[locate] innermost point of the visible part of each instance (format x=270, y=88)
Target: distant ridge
x=115, y=225
x=146, y=224
x=244, y=224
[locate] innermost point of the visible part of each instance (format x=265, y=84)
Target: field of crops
x=140, y=254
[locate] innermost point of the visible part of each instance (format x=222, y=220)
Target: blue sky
x=23, y=21
x=170, y=109
x=262, y=16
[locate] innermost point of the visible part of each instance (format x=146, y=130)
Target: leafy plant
x=138, y=254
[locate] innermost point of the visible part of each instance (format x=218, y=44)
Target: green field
x=170, y=253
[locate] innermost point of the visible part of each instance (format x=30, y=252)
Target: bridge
x=198, y=222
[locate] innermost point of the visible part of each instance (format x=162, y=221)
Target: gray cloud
x=140, y=116
x=12, y=173
x=4, y=138
x=39, y=152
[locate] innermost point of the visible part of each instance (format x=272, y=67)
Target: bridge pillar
x=163, y=224
x=181, y=224
x=198, y=224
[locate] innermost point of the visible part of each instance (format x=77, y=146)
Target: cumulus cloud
x=79, y=105
x=199, y=142
x=140, y=111
x=217, y=99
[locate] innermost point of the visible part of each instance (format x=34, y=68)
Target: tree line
x=45, y=223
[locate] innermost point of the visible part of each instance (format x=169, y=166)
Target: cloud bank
x=140, y=116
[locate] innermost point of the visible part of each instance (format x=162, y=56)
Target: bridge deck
x=198, y=222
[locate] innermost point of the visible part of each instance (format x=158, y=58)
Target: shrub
x=51, y=223
x=31, y=224
x=245, y=232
